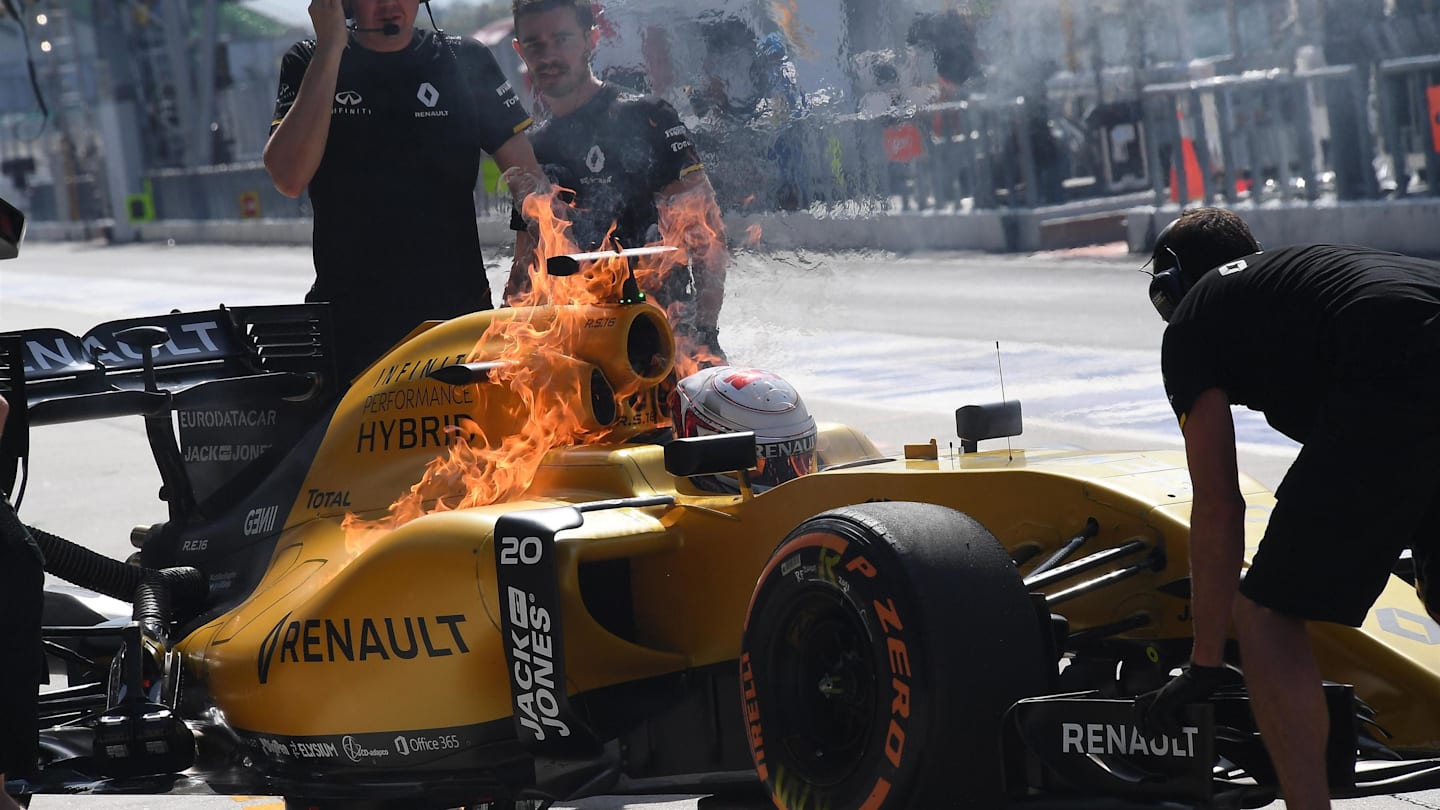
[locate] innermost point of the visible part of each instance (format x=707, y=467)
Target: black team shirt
x=612, y=156
x=1276, y=330
x=395, y=235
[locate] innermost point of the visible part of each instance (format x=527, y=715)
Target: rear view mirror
x=12, y=230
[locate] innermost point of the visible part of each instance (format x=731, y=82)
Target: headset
x=388, y=29
x=1167, y=281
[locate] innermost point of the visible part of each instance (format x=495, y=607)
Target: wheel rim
x=824, y=672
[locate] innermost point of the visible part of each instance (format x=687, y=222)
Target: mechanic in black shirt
x=1339, y=347
x=22, y=579
x=622, y=160
x=385, y=126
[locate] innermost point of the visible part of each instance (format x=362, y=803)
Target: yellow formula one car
x=484, y=574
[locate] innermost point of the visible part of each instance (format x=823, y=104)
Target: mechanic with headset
x=627, y=160
x=1336, y=345
x=727, y=399
x=385, y=125
x=22, y=579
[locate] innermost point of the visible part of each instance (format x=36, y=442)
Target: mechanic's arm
x=704, y=239
x=1217, y=523
x=293, y=153
x=522, y=174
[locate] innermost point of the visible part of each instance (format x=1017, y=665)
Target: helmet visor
x=778, y=462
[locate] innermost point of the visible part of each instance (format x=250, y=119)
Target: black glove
x=1161, y=710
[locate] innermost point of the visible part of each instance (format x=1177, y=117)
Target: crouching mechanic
x=22, y=579
x=1337, y=346
x=727, y=399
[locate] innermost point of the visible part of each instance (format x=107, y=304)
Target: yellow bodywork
x=311, y=644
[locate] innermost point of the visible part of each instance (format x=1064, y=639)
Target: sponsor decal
x=675, y=131
x=1104, y=738
x=503, y=89
x=785, y=449
x=409, y=433
x=348, y=98
x=234, y=417
x=316, y=641
x=425, y=744
x=418, y=397
x=410, y=369
x=511, y=102
x=531, y=648
x=225, y=452
x=357, y=751
x=680, y=146
x=753, y=728
x=595, y=159
x=1233, y=267
x=427, y=94
x=260, y=521
x=52, y=350
x=327, y=499
x=1407, y=624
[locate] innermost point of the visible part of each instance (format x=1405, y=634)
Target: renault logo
x=595, y=160
x=348, y=97
x=427, y=94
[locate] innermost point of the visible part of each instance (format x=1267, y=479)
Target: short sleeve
x=673, y=144
x=502, y=116
x=1188, y=364
x=292, y=71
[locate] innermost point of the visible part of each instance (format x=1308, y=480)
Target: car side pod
x=996, y=420
x=526, y=573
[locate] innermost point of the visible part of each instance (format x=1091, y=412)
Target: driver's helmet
x=727, y=399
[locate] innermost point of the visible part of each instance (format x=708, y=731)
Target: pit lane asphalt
x=891, y=345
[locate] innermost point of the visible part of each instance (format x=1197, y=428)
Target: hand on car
x=1162, y=711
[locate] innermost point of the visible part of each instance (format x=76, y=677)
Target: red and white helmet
x=727, y=399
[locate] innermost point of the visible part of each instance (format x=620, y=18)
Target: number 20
x=520, y=550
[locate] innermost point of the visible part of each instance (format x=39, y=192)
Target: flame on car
x=550, y=387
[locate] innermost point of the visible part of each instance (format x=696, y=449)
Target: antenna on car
x=1001, y=368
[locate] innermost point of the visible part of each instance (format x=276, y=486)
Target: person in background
x=622, y=161
x=1327, y=341
x=22, y=580
x=384, y=125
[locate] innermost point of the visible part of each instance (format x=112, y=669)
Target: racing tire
x=883, y=645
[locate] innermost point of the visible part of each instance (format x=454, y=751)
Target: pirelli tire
x=883, y=644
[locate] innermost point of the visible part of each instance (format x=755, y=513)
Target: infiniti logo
x=427, y=94
x=348, y=97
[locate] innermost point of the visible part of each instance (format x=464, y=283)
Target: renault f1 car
x=329, y=611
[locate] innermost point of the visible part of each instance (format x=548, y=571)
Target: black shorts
x=21, y=599
x=1364, y=488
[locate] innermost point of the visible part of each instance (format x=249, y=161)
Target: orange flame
x=548, y=387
